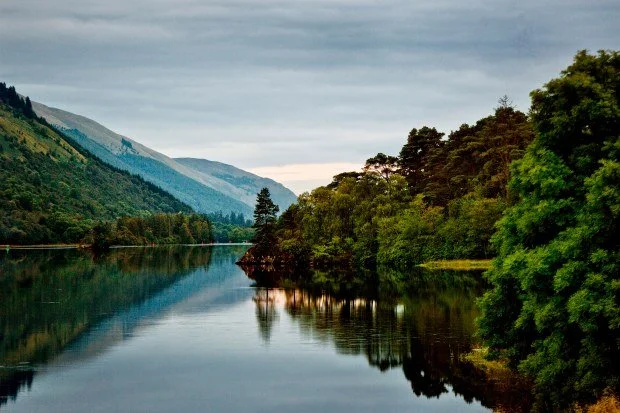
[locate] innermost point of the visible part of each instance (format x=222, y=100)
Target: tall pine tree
x=264, y=220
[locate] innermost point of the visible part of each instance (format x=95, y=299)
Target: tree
x=415, y=153
x=381, y=164
x=553, y=308
x=264, y=219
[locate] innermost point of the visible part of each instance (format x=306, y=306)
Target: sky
x=296, y=90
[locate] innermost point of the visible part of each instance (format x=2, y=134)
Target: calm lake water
x=183, y=329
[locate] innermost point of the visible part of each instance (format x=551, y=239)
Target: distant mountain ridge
x=245, y=185
x=206, y=186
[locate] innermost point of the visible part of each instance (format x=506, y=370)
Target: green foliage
x=152, y=229
x=231, y=233
x=51, y=190
x=10, y=97
x=553, y=308
x=231, y=228
x=475, y=158
x=264, y=220
x=439, y=199
x=415, y=155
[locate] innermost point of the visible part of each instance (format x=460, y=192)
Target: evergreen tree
x=381, y=164
x=415, y=153
x=28, y=111
x=264, y=219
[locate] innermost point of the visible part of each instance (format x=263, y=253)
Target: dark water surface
x=183, y=329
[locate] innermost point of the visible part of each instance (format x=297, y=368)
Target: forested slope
x=207, y=186
x=51, y=190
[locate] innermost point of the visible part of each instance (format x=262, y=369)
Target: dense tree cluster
x=554, y=305
x=10, y=97
x=232, y=218
x=231, y=228
x=264, y=220
x=438, y=199
x=153, y=229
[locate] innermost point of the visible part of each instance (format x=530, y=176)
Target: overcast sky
x=292, y=89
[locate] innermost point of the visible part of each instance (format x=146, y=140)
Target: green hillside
x=207, y=186
x=52, y=190
x=190, y=191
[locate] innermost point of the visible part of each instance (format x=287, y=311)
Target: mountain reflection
x=426, y=330
x=50, y=298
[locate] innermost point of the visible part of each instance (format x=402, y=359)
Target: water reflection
x=424, y=326
x=50, y=298
x=180, y=329
x=266, y=313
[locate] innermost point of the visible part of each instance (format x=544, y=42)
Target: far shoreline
x=9, y=247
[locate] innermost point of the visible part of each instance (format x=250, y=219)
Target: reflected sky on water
x=184, y=329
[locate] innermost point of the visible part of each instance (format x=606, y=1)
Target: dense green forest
x=554, y=306
x=539, y=192
x=51, y=190
x=153, y=229
x=230, y=228
x=438, y=199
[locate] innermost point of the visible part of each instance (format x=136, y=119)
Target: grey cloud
x=264, y=82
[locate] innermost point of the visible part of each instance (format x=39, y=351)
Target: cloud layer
x=276, y=82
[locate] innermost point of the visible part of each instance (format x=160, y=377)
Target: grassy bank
x=494, y=368
x=457, y=265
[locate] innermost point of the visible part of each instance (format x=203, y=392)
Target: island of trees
x=538, y=192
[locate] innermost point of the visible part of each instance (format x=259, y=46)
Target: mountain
x=206, y=186
x=241, y=184
x=52, y=190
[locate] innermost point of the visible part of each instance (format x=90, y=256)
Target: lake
x=183, y=329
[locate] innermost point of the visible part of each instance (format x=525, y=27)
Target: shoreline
x=9, y=247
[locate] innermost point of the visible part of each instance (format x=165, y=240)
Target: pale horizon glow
x=305, y=176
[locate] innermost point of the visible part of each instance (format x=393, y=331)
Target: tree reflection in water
x=266, y=313
x=49, y=298
x=424, y=325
